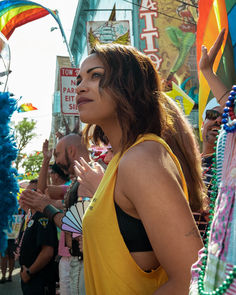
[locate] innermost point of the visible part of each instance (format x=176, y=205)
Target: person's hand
x=79, y=238
x=208, y=58
x=24, y=276
x=34, y=200
x=47, y=153
x=88, y=176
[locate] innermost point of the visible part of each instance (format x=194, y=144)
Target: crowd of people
x=145, y=213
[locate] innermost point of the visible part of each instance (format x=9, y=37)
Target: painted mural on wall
x=168, y=35
x=107, y=32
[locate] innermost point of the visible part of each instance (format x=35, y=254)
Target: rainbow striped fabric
x=26, y=107
x=214, y=15
x=15, y=13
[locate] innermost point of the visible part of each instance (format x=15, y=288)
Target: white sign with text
x=67, y=89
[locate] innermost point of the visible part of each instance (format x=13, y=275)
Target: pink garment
x=62, y=249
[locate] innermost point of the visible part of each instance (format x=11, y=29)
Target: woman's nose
x=81, y=87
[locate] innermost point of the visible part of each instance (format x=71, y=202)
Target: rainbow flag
x=26, y=107
x=15, y=13
x=214, y=15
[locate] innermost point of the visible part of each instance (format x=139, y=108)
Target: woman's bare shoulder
x=147, y=152
x=149, y=161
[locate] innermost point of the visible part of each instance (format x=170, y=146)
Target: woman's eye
x=97, y=75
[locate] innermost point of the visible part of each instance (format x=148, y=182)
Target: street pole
x=68, y=47
x=65, y=40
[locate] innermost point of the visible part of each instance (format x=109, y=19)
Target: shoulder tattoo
x=193, y=232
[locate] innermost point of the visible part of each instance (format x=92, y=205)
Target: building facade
x=165, y=30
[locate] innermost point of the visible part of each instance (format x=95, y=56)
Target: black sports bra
x=133, y=232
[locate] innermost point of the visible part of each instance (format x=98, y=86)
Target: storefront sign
x=148, y=11
x=107, y=32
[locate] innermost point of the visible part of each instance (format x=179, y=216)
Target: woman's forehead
x=91, y=61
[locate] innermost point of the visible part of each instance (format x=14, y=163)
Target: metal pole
x=65, y=40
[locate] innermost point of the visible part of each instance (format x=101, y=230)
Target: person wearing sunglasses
x=211, y=124
x=224, y=219
x=211, y=116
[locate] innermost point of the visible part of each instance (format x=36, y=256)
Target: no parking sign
x=67, y=89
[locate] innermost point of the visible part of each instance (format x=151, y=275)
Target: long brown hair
x=134, y=84
x=185, y=146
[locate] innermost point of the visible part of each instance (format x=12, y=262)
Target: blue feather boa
x=8, y=181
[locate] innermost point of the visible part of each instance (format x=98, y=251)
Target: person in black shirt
x=37, y=253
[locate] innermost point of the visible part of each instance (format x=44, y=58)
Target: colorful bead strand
x=229, y=125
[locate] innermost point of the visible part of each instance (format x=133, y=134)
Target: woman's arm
x=157, y=196
x=206, y=66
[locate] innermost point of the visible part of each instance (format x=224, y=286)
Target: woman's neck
x=114, y=134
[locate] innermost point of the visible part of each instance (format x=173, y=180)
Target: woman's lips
x=83, y=100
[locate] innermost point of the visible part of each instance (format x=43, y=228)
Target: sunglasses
x=213, y=114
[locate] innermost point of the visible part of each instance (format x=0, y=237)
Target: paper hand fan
x=72, y=221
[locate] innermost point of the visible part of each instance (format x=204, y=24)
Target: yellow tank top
x=109, y=268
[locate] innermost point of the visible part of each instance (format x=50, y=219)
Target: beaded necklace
x=228, y=127
x=206, y=170
x=229, y=112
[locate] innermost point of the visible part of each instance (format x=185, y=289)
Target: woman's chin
x=89, y=117
x=85, y=119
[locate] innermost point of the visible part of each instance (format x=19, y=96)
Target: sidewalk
x=14, y=287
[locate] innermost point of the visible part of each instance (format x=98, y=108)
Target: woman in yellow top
x=139, y=236
x=139, y=233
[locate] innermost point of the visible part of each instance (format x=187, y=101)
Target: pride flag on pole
x=214, y=15
x=15, y=13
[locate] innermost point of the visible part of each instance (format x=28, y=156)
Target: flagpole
x=65, y=40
